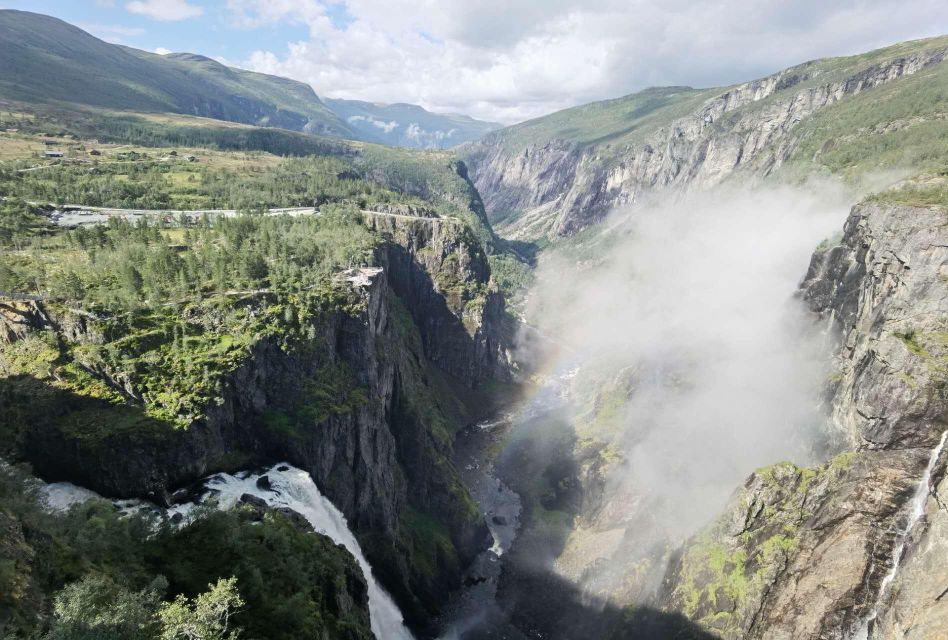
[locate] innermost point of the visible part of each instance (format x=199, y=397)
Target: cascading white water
x=60, y=496
x=919, y=500
x=289, y=487
x=294, y=488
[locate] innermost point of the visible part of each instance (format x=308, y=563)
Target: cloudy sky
x=503, y=60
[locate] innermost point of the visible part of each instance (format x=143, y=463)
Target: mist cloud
x=686, y=312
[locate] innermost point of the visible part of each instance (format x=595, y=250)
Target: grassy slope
x=609, y=121
x=896, y=126
x=929, y=189
x=43, y=59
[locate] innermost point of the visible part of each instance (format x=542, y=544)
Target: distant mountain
x=852, y=116
x=43, y=59
x=46, y=60
x=408, y=125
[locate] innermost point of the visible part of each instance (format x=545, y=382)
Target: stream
x=915, y=513
x=474, y=613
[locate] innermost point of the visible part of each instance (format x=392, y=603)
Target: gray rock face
x=802, y=553
x=559, y=187
x=885, y=286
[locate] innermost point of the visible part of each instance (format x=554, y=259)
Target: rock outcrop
x=803, y=553
x=555, y=187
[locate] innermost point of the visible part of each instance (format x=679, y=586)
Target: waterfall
x=60, y=496
x=288, y=487
x=294, y=488
x=919, y=500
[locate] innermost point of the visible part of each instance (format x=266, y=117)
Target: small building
x=95, y=152
x=49, y=143
x=53, y=154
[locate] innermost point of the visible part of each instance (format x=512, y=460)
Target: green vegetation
x=165, y=323
x=897, y=126
x=233, y=167
x=513, y=276
x=724, y=574
x=96, y=608
x=432, y=176
x=207, y=617
x=152, y=178
x=610, y=122
x=130, y=267
x=931, y=348
x=131, y=577
x=910, y=340
x=174, y=306
x=924, y=190
x=331, y=390
x=295, y=584
x=431, y=547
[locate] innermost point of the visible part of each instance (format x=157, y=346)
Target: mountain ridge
x=47, y=60
x=405, y=124
x=553, y=176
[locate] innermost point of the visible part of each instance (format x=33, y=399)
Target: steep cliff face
x=805, y=553
x=365, y=398
x=536, y=182
x=440, y=271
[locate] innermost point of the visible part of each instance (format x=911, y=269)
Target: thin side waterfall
x=919, y=500
x=294, y=488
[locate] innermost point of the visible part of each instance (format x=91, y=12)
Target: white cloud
x=161, y=51
x=387, y=127
x=509, y=61
x=114, y=33
x=165, y=10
